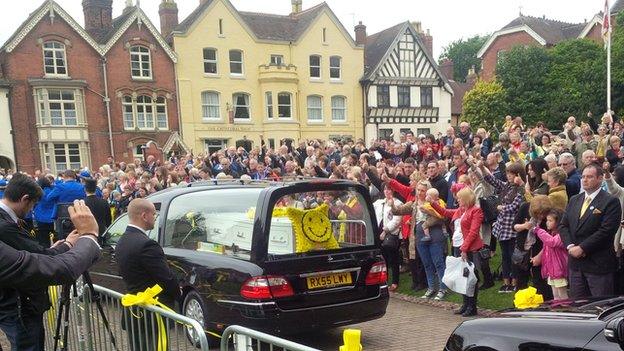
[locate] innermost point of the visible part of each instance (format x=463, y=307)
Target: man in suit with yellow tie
x=587, y=228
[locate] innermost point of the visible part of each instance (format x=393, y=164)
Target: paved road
x=406, y=326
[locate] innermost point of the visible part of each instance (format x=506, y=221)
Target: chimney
x=426, y=38
x=168, y=12
x=98, y=15
x=360, y=34
x=447, y=67
x=428, y=41
x=471, y=78
x=297, y=6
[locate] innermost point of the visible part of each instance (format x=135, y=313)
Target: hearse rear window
x=216, y=221
x=321, y=220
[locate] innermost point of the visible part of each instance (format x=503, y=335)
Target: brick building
x=78, y=95
x=528, y=30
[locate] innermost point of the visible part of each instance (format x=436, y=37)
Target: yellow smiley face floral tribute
x=313, y=230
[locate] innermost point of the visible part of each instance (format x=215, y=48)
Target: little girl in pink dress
x=554, y=256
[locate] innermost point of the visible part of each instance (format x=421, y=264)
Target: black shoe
x=461, y=310
x=487, y=285
x=503, y=289
x=470, y=312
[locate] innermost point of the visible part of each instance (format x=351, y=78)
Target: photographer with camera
x=24, y=275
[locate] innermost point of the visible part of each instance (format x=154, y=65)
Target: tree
x=617, y=69
x=463, y=53
x=484, y=105
x=576, y=80
x=522, y=72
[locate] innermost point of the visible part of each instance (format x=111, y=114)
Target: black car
x=238, y=261
x=588, y=324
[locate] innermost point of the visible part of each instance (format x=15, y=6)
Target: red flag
x=606, y=23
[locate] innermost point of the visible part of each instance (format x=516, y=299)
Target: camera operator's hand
x=83, y=219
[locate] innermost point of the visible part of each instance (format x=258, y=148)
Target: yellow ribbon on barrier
x=351, y=338
x=51, y=313
x=148, y=298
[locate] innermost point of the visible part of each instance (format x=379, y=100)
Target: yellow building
x=242, y=74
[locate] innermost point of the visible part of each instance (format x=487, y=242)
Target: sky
x=447, y=20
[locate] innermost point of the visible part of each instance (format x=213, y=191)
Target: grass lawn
x=489, y=298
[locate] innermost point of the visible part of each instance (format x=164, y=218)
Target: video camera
x=63, y=224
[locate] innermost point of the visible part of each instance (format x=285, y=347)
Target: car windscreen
x=216, y=220
x=318, y=221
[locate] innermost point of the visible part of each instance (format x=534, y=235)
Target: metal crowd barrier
x=87, y=331
x=239, y=338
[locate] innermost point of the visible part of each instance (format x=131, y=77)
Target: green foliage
x=617, y=69
x=522, y=72
x=463, y=53
x=576, y=80
x=485, y=104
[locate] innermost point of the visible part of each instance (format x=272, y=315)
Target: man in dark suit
x=142, y=264
x=587, y=229
x=21, y=309
x=99, y=207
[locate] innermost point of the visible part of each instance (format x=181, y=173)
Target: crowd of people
x=548, y=202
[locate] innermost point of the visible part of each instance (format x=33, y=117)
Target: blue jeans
x=30, y=338
x=432, y=256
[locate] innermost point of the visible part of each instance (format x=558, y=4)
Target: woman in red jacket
x=467, y=219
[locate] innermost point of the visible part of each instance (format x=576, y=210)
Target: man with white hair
x=573, y=183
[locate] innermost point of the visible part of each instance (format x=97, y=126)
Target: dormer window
x=140, y=62
x=54, y=62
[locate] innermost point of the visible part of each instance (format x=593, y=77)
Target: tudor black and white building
x=404, y=89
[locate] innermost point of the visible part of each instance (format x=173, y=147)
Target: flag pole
x=609, y=73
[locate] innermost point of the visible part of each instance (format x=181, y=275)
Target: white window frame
x=241, y=62
x=277, y=60
x=342, y=109
x=289, y=105
x=57, y=53
x=319, y=66
x=208, y=105
x=67, y=164
x=339, y=67
x=141, y=54
x=161, y=113
x=155, y=115
x=248, y=106
x=128, y=116
x=318, y=108
x=268, y=100
x=45, y=111
x=214, y=61
x=223, y=143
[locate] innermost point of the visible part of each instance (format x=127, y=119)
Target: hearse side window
x=217, y=220
x=116, y=230
x=349, y=222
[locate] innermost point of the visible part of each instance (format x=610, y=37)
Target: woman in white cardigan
x=389, y=224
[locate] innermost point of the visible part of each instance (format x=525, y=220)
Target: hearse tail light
x=378, y=274
x=266, y=287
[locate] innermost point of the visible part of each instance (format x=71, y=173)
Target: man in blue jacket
x=67, y=191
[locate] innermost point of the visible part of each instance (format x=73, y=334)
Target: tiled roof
x=378, y=44
x=263, y=25
x=459, y=90
x=552, y=31
x=102, y=37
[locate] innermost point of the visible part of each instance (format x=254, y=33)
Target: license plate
x=329, y=280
